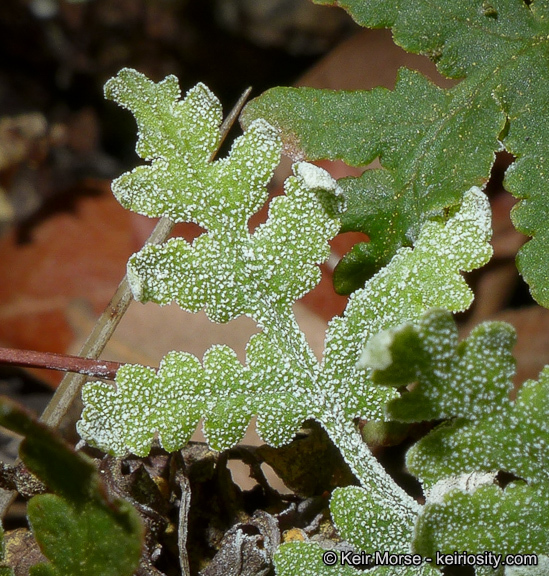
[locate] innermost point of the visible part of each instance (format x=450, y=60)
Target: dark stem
x=62, y=362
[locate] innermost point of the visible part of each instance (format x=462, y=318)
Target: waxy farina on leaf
x=229, y=271
x=468, y=384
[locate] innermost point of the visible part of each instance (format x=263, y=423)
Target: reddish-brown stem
x=63, y=362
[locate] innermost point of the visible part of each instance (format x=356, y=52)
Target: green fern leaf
x=433, y=143
x=261, y=274
x=487, y=518
x=227, y=270
x=469, y=383
x=81, y=529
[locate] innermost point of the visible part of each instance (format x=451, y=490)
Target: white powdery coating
x=471, y=379
x=370, y=521
x=135, y=283
x=315, y=177
x=227, y=271
x=414, y=281
x=463, y=482
x=280, y=384
x=377, y=352
x=277, y=421
x=513, y=437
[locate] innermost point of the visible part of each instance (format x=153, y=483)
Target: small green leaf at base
x=48, y=456
x=85, y=540
x=82, y=529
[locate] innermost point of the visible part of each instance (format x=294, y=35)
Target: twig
x=231, y=119
x=184, y=507
x=70, y=386
x=62, y=362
